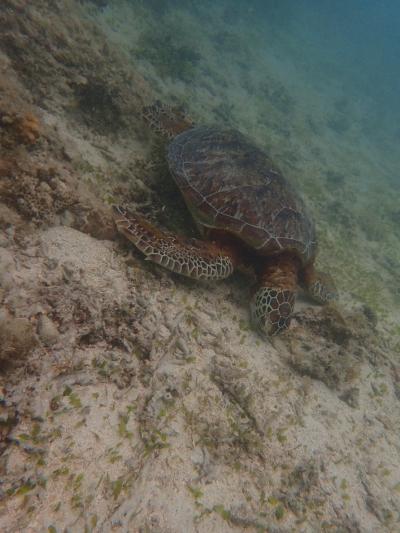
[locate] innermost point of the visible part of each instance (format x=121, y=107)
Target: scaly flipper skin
x=188, y=257
x=319, y=285
x=167, y=120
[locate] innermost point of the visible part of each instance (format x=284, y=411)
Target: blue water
x=360, y=37
x=352, y=46
x=315, y=83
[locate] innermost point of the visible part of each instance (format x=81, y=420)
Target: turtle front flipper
x=165, y=119
x=189, y=257
x=319, y=285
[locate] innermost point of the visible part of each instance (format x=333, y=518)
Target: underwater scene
x=199, y=266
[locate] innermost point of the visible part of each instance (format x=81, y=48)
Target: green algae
x=178, y=61
x=196, y=492
x=279, y=512
x=225, y=514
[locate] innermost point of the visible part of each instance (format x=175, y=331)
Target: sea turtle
x=246, y=211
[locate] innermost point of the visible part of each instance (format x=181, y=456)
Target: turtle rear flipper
x=188, y=257
x=167, y=120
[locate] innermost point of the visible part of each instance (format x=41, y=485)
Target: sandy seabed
x=132, y=399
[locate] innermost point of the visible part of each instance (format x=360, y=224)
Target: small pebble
x=182, y=345
x=17, y=337
x=47, y=330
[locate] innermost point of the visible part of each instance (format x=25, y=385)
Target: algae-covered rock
x=17, y=337
x=6, y=265
x=47, y=330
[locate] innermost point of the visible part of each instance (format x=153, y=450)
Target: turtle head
x=271, y=309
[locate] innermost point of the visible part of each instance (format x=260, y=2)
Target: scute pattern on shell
x=230, y=184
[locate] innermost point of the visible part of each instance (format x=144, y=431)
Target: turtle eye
x=282, y=324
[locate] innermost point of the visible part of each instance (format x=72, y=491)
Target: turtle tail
x=167, y=120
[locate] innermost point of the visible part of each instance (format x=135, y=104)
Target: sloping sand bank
x=134, y=400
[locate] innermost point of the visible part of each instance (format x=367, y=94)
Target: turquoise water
x=354, y=44
x=346, y=52
x=315, y=84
